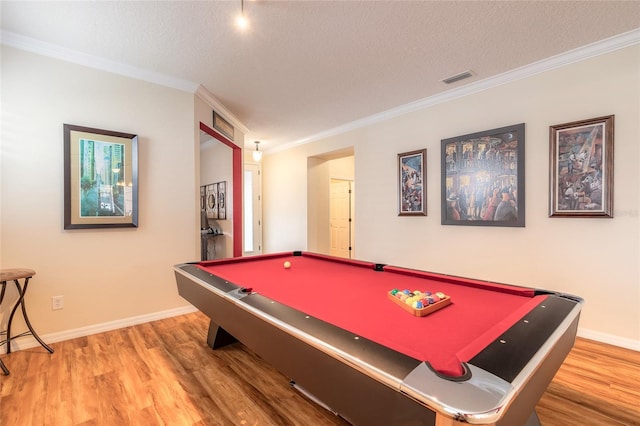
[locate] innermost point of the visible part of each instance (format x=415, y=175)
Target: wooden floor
x=162, y=373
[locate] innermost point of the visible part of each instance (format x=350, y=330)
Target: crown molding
x=204, y=94
x=598, y=48
x=57, y=52
x=54, y=51
x=576, y=55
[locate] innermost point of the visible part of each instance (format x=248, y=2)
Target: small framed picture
x=581, y=168
x=222, y=200
x=483, y=178
x=212, y=201
x=100, y=178
x=412, y=200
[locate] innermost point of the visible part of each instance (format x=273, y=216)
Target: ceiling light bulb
x=242, y=22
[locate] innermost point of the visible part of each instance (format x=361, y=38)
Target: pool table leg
x=442, y=420
x=218, y=337
x=533, y=420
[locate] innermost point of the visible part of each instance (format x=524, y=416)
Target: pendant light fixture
x=257, y=154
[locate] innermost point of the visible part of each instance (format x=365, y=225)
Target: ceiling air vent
x=457, y=77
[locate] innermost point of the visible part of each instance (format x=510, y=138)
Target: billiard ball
x=287, y=265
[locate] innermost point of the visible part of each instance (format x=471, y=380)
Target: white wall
x=104, y=275
x=593, y=258
x=342, y=168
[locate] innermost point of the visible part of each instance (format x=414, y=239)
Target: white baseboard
x=610, y=339
x=26, y=342
x=29, y=342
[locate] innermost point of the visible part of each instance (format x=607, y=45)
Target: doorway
x=321, y=172
x=341, y=217
x=233, y=192
x=252, y=209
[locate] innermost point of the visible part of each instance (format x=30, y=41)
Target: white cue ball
x=287, y=265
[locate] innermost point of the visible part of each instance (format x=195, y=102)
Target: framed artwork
x=100, y=178
x=483, y=178
x=223, y=126
x=213, y=198
x=412, y=200
x=581, y=168
x=222, y=200
x=211, y=194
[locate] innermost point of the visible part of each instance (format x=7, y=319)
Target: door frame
x=236, y=187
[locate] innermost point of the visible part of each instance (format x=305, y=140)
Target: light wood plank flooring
x=162, y=373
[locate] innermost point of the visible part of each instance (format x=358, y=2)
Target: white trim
x=579, y=54
x=29, y=341
x=598, y=48
x=204, y=94
x=58, y=52
x=28, y=44
x=610, y=339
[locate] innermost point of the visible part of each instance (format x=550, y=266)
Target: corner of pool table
x=457, y=370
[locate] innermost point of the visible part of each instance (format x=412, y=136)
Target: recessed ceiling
x=304, y=67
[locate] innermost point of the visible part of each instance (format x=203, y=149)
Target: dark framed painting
x=412, y=200
x=483, y=178
x=581, y=168
x=100, y=178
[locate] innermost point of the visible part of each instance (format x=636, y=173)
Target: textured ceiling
x=304, y=67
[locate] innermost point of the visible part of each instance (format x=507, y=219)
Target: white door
x=252, y=219
x=341, y=218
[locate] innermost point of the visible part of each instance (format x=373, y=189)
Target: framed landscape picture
x=581, y=168
x=100, y=178
x=483, y=178
x=412, y=200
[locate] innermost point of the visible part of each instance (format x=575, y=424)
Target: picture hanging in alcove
x=581, y=168
x=212, y=201
x=483, y=178
x=222, y=200
x=213, y=198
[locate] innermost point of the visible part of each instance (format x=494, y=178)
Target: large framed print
x=412, y=200
x=483, y=178
x=581, y=168
x=100, y=178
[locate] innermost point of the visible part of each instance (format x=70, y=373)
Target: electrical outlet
x=57, y=302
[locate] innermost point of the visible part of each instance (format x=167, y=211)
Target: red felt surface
x=352, y=296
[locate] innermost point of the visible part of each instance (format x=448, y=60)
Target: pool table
x=330, y=325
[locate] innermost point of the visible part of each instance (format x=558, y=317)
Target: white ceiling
x=305, y=67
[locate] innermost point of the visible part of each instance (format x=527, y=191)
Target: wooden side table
x=16, y=275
